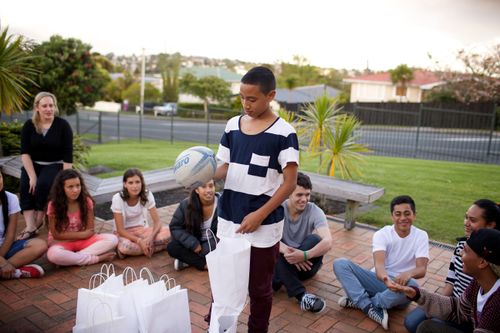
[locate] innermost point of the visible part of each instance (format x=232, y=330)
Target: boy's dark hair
x=491, y=211
x=304, y=181
x=260, y=76
x=403, y=199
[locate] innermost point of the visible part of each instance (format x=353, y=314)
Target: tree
x=113, y=91
x=318, y=119
x=169, y=69
x=133, y=93
x=70, y=71
x=400, y=76
x=342, y=151
x=16, y=72
x=207, y=88
x=479, y=80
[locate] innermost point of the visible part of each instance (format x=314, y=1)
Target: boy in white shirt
x=400, y=253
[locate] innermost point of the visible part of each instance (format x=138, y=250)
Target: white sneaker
x=179, y=265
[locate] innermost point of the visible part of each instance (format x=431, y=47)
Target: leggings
x=81, y=252
x=129, y=248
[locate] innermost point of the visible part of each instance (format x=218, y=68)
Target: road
x=426, y=143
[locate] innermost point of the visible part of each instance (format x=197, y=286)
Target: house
x=295, y=99
x=221, y=72
x=379, y=87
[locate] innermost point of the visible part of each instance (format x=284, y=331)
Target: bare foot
x=108, y=256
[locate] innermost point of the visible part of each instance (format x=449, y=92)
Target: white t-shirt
x=133, y=216
x=481, y=299
x=401, y=253
x=12, y=209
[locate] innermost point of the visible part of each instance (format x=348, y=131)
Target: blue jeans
x=364, y=288
x=414, y=318
x=17, y=246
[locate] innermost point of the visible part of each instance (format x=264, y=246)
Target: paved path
x=49, y=304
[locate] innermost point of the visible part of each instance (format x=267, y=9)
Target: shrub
x=10, y=137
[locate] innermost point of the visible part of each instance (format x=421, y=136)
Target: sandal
x=26, y=234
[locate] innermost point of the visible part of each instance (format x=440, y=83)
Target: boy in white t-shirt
x=400, y=253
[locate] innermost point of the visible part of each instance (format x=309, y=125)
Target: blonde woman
x=46, y=149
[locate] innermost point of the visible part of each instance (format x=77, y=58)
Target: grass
x=442, y=190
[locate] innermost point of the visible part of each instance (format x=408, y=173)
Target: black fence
x=454, y=132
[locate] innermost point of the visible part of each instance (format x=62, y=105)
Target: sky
x=353, y=34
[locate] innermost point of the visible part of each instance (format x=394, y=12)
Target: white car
x=166, y=109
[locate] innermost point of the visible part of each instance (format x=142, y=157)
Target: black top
x=56, y=145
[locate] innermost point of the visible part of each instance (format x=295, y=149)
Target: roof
x=302, y=95
x=421, y=79
x=219, y=72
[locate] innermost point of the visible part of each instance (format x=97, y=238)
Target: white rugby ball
x=195, y=166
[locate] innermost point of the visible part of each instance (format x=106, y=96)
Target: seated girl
x=190, y=226
x=130, y=208
x=15, y=255
x=72, y=240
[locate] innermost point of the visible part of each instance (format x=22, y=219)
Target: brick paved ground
x=49, y=304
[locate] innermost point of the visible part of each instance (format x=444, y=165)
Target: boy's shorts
x=17, y=246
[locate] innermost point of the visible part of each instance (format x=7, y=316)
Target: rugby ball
x=195, y=166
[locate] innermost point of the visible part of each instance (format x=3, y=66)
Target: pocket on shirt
x=258, y=165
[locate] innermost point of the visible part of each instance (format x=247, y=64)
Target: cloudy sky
x=329, y=33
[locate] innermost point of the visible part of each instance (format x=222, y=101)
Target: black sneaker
x=346, y=302
x=380, y=316
x=277, y=285
x=312, y=303
x=179, y=265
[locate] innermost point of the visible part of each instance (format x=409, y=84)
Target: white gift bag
x=88, y=301
x=170, y=314
x=223, y=319
x=229, y=272
x=100, y=319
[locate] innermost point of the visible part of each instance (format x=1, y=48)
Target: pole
x=118, y=120
x=143, y=70
x=172, y=128
x=77, y=122
x=420, y=110
x=492, y=129
x=208, y=125
x=99, y=135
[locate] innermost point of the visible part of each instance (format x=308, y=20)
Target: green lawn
x=442, y=190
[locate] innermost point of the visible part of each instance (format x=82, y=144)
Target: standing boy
x=400, y=253
x=306, y=239
x=260, y=154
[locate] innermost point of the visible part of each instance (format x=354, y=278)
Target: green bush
x=10, y=138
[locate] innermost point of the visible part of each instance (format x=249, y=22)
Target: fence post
x=78, y=122
x=172, y=128
x=99, y=133
x=419, y=124
x=118, y=120
x=208, y=125
x=492, y=129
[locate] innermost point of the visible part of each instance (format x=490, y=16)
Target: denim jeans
x=417, y=317
x=364, y=288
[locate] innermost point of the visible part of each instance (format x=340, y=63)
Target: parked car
x=166, y=109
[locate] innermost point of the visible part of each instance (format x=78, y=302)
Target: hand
x=32, y=185
x=402, y=278
x=294, y=256
x=198, y=249
x=250, y=223
x=145, y=247
x=7, y=271
x=398, y=288
x=87, y=233
x=304, y=266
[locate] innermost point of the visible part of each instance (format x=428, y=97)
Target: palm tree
x=318, y=119
x=16, y=72
x=401, y=75
x=342, y=151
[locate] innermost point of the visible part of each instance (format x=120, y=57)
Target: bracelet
x=305, y=255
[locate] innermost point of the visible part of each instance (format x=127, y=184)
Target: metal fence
x=454, y=132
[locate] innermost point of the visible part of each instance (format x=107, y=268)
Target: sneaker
x=179, y=265
x=312, y=303
x=31, y=271
x=346, y=302
x=380, y=316
x=277, y=285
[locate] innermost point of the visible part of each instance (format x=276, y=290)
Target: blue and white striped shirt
x=255, y=172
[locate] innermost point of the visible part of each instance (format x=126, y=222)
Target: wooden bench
x=102, y=190
x=354, y=193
